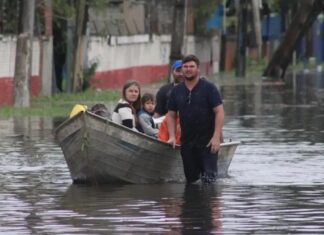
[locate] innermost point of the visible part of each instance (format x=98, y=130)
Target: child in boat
x=145, y=116
x=164, y=131
x=127, y=107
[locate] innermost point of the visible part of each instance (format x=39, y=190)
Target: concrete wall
x=119, y=58
x=7, y=69
x=132, y=57
x=8, y=55
x=137, y=57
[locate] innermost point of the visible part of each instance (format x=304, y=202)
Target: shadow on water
x=201, y=209
x=180, y=209
x=150, y=208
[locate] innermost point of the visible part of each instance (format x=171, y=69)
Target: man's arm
x=171, y=119
x=214, y=143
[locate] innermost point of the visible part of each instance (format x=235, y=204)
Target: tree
x=305, y=16
x=241, y=39
x=70, y=25
x=79, y=39
x=47, y=48
x=23, y=65
x=177, y=32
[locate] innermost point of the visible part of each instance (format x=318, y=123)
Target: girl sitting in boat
x=127, y=107
x=145, y=115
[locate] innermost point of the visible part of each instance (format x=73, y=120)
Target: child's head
x=100, y=109
x=148, y=102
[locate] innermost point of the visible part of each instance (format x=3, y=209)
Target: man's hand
x=172, y=141
x=214, y=144
x=171, y=119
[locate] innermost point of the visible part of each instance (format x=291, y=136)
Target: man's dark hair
x=191, y=58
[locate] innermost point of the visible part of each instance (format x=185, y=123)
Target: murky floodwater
x=276, y=183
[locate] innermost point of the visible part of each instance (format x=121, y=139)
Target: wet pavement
x=275, y=183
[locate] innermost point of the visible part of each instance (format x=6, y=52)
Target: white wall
x=116, y=53
x=129, y=51
x=8, y=56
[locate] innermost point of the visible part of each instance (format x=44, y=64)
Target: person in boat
x=100, y=110
x=145, y=115
x=163, y=94
x=164, y=131
x=128, y=106
x=199, y=105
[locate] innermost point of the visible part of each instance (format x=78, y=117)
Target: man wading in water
x=200, y=107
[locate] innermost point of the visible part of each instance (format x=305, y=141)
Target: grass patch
x=48, y=111
x=60, y=105
x=87, y=96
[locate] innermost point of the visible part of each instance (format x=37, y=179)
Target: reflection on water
x=275, y=184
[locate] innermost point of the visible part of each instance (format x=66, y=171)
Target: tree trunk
x=241, y=39
x=300, y=24
x=23, y=63
x=46, y=70
x=154, y=29
x=257, y=25
x=79, y=47
x=177, y=32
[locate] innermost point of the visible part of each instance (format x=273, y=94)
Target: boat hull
x=99, y=151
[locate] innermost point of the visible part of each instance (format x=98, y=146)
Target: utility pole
x=177, y=32
x=47, y=50
x=241, y=39
x=23, y=63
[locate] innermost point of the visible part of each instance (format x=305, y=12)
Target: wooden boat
x=98, y=150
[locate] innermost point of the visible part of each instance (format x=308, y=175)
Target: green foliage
x=9, y=16
x=255, y=67
x=66, y=9
x=276, y=5
x=87, y=75
x=203, y=10
x=63, y=9
x=99, y=5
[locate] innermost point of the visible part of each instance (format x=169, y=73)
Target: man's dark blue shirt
x=195, y=107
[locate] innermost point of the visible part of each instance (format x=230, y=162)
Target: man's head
x=190, y=67
x=177, y=72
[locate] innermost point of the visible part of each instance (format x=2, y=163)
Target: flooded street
x=275, y=183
